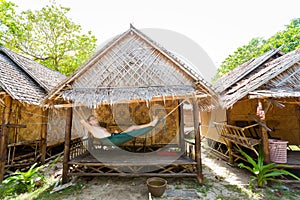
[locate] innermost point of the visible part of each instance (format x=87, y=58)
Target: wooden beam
x=180, y=175
x=68, y=105
x=197, y=141
x=181, y=126
x=67, y=145
x=4, y=135
x=15, y=125
x=43, y=144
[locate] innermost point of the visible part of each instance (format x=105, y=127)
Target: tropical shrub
x=21, y=182
x=262, y=173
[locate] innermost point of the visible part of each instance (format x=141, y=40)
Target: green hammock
x=123, y=137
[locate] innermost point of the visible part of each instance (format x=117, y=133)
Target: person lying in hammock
x=93, y=126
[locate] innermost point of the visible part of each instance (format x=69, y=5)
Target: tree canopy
x=288, y=39
x=47, y=36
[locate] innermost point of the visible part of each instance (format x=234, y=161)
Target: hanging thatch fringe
x=94, y=96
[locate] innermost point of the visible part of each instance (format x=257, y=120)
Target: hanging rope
x=165, y=127
x=174, y=109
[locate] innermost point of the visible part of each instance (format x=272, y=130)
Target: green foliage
x=262, y=173
x=7, y=13
x=21, y=182
x=49, y=37
x=289, y=39
x=240, y=56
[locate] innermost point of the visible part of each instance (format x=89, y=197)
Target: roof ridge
x=188, y=69
x=284, y=61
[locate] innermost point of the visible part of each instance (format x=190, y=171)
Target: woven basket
x=278, y=151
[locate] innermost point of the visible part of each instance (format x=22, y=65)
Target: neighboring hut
x=129, y=80
x=266, y=86
x=24, y=84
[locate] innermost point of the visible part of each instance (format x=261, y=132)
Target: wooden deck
x=293, y=159
x=118, y=157
x=120, y=163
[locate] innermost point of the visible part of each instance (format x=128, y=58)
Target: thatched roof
x=130, y=67
x=234, y=76
x=279, y=78
x=25, y=80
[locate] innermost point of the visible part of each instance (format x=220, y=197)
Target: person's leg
x=135, y=127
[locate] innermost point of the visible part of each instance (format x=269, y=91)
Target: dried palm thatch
x=241, y=71
x=131, y=67
x=92, y=96
x=278, y=78
x=25, y=80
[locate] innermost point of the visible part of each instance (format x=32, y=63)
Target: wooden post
x=43, y=143
x=67, y=145
x=229, y=146
x=264, y=134
x=265, y=143
x=199, y=133
x=181, y=127
x=197, y=141
x=4, y=135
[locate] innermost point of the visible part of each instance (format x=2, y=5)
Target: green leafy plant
x=21, y=182
x=288, y=38
x=46, y=35
x=264, y=172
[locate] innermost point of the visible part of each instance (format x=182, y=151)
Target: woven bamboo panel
x=32, y=117
x=29, y=115
x=119, y=116
x=132, y=62
x=131, y=69
x=56, y=126
x=283, y=121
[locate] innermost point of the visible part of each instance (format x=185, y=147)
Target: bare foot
x=155, y=120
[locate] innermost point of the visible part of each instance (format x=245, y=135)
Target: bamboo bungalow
x=128, y=81
x=261, y=102
x=24, y=84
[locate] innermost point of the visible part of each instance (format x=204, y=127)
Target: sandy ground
x=221, y=182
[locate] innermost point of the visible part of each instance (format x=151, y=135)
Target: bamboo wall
x=32, y=116
x=208, y=118
x=188, y=116
x=29, y=115
x=119, y=116
x=57, y=124
x=283, y=121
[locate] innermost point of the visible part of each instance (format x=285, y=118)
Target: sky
x=219, y=27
